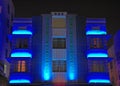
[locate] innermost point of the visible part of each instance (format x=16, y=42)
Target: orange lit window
x=21, y=67
x=18, y=66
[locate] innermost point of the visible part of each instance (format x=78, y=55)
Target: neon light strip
x=21, y=54
x=72, y=76
x=20, y=81
x=103, y=55
x=22, y=32
x=99, y=81
x=96, y=32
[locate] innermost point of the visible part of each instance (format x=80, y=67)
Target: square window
x=59, y=66
x=59, y=43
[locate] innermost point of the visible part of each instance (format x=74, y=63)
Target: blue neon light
x=71, y=76
x=96, y=32
x=99, y=81
x=103, y=55
x=46, y=76
x=20, y=81
x=22, y=32
x=21, y=54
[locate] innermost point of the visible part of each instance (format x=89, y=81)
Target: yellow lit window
x=21, y=67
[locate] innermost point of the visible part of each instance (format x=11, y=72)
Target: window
x=97, y=66
x=59, y=43
x=22, y=43
x=58, y=23
x=59, y=66
x=21, y=66
x=96, y=43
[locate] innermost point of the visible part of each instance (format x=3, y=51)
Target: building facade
x=6, y=16
x=114, y=52
x=59, y=48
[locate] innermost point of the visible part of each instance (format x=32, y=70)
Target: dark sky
x=107, y=9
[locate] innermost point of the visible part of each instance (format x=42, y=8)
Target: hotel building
x=59, y=48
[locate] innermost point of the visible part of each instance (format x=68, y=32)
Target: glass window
x=22, y=43
x=97, y=43
x=59, y=43
x=97, y=66
x=58, y=23
x=59, y=66
x=21, y=66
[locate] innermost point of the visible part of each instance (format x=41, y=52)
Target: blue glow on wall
x=71, y=76
x=98, y=77
x=103, y=55
x=22, y=32
x=71, y=49
x=46, y=75
x=46, y=50
x=96, y=32
x=99, y=81
x=20, y=81
x=21, y=54
x=20, y=77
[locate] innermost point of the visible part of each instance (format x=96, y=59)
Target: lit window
x=21, y=66
x=58, y=23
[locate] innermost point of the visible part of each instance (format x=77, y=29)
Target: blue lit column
x=71, y=48
x=46, y=48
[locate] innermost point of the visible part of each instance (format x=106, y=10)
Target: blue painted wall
x=37, y=48
x=81, y=50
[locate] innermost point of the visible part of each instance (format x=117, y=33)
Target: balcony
x=21, y=53
x=22, y=29
x=20, y=77
x=22, y=32
x=96, y=28
x=98, y=77
x=96, y=32
x=97, y=53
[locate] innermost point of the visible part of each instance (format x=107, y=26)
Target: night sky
x=109, y=10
